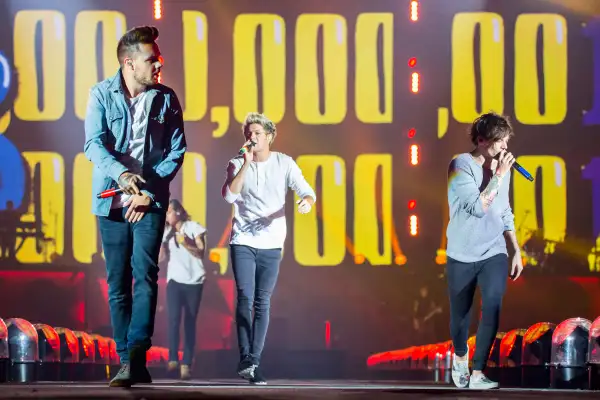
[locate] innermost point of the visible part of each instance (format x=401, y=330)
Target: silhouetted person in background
x=9, y=220
x=183, y=248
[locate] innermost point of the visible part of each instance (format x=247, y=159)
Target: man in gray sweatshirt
x=481, y=223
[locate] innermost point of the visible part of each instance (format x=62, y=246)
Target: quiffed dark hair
x=131, y=40
x=490, y=126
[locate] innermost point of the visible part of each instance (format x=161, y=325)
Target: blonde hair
x=262, y=120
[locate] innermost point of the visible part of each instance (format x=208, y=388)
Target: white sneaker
x=480, y=381
x=460, y=371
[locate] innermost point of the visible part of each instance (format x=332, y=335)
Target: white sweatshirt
x=259, y=209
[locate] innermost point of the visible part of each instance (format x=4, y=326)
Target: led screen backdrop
x=371, y=98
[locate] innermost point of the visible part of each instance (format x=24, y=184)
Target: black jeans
x=255, y=272
x=491, y=276
x=186, y=298
x=131, y=252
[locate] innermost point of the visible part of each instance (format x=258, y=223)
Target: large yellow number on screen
x=554, y=198
x=53, y=65
x=491, y=49
x=335, y=69
x=86, y=73
x=368, y=222
x=44, y=221
x=193, y=195
x=245, y=75
x=85, y=234
x=333, y=206
x=195, y=64
x=527, y=81
x=367, y=80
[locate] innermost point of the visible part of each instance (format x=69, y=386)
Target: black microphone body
x=246, y=147
x=522, y=171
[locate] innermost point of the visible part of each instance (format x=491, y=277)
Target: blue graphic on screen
x=4, y=77
x=12, y=169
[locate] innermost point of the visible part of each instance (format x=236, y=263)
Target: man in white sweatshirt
x=256, y=184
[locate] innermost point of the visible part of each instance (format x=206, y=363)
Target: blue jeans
x=131, y=252
x=255, y=272
x=491, y=276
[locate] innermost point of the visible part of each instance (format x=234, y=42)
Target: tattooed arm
x=490, y=192
x=462, y=185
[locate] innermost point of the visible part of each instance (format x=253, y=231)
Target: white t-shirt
x=259, y=209
x=182, y=266
x=134, y=157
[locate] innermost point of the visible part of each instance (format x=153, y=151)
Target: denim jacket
x=107, y=133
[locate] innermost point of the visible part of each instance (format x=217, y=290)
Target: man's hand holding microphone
x=139, y=202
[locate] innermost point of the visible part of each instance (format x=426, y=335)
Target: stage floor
x=277, y=389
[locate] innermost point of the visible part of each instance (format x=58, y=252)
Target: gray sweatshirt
x=474, y=234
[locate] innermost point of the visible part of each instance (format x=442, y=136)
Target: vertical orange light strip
x=414, y=86
x=414, y=225
x=157, y=9
x=414, y=154
x=413, y=220
x=414, y=10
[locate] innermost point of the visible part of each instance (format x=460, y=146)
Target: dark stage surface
x=278, y=389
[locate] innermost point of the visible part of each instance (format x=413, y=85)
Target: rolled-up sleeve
x=298, y=183
x=232, y=170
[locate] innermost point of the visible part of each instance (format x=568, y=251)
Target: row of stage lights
x=414, y=150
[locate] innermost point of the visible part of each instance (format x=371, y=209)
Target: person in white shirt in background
x=183, y=248
x=256, y=184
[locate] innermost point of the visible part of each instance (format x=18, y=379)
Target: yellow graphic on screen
x=195, y=65
x=245, y=90
x=368, y=222
x=86, y=64
x=335, y=69
x=53, y=65
x=367, y=80
x=333, y=215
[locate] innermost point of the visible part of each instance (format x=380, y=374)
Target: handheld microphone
x=246, y=148
x=522, y=171
x=519, y=169
x=109, y=193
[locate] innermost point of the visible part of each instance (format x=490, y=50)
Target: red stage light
x=412, y=204
x=412, y=132
x=412, y=62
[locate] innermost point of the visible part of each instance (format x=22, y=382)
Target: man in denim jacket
x=134, y=137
